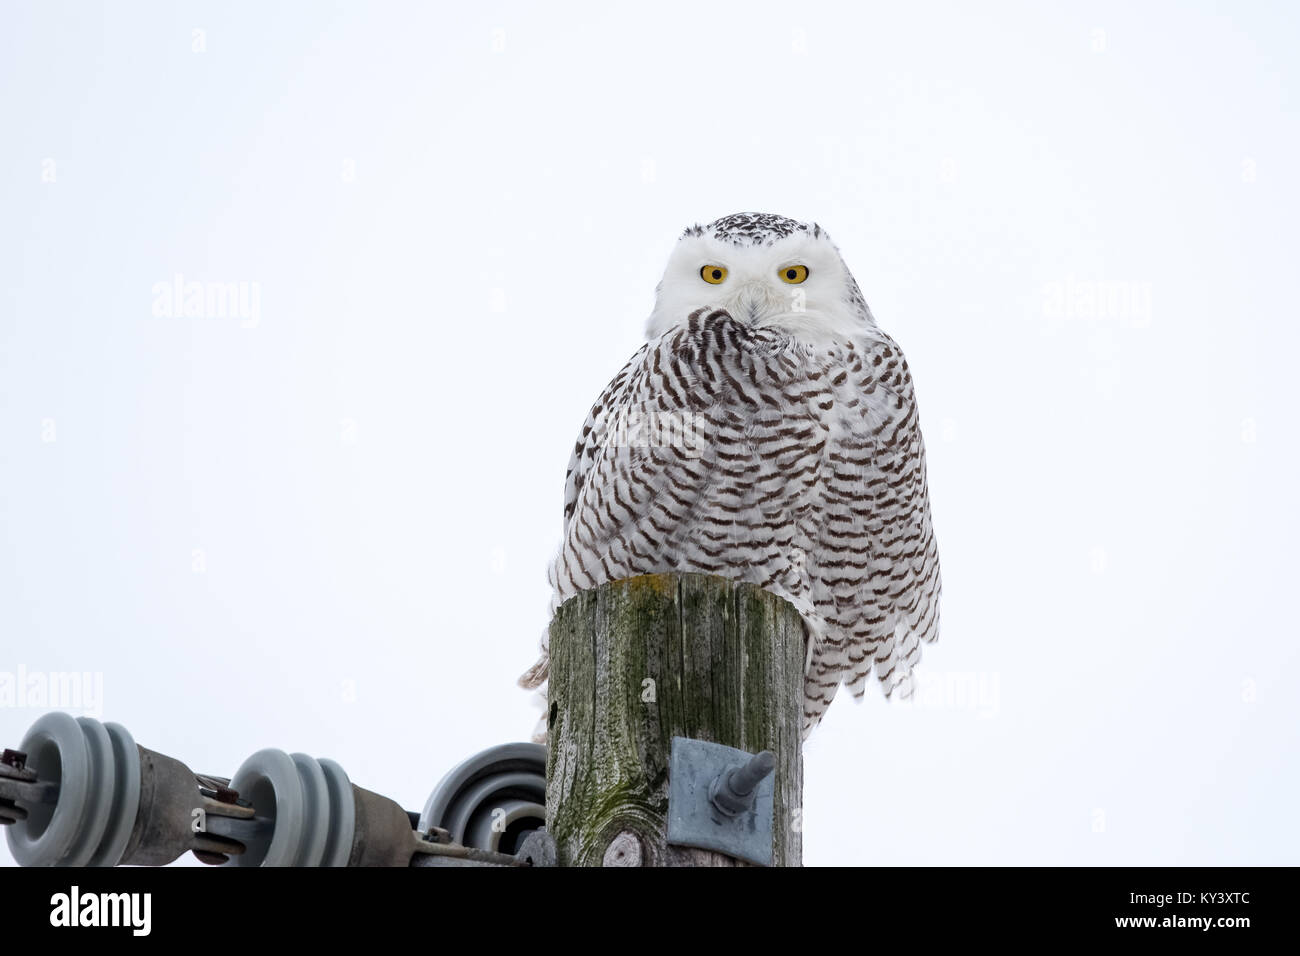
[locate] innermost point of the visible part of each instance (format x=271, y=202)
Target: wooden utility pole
x=640, y=661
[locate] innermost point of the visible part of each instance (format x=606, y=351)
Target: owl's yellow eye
x=794, y=274
x=713, y=274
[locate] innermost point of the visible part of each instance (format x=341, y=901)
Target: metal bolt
x=14, y=758
x=436, y=835
x=214, y=785
x=732, y=793
x=537, y=849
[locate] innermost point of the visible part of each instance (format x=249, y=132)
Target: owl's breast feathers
x=726, y=449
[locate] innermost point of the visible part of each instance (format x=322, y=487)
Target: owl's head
x=765, y=270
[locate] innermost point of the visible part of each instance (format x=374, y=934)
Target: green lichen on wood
x=635, y=663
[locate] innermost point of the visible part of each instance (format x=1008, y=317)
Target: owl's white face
x=798, y=284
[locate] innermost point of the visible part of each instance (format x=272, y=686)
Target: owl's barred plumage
x=770, y=438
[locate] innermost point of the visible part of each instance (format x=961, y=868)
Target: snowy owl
x=767, y=432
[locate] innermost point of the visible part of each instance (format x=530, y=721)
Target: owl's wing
x=591, y=439
x=904, y=581
x=609, y=408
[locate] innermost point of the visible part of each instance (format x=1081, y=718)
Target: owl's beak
x=751, y=302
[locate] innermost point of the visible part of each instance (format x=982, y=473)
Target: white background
x=326, y=529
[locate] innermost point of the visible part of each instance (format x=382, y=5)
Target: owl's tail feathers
x=536, y=675
x=535, y=678
x=897, y=671
x=915, y=625
x=815, y=630
x=821, y=673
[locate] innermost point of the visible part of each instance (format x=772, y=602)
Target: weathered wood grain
x=639, y=661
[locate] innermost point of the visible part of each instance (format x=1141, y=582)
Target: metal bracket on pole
x=721, y=799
